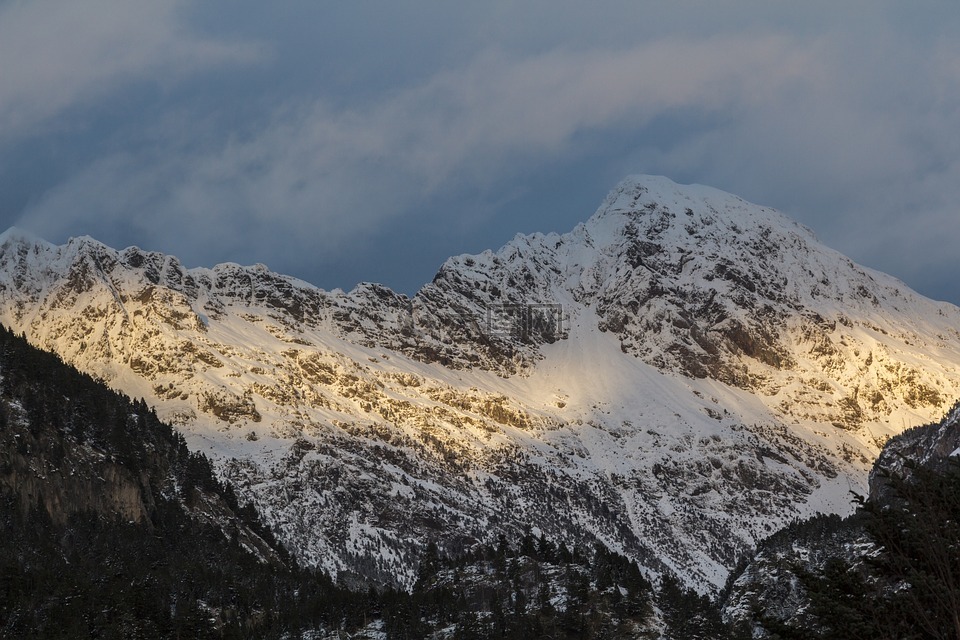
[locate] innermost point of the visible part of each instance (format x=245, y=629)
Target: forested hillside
x=110, y=527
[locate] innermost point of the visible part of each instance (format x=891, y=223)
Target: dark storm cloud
x=319, y=140
x=324, y=177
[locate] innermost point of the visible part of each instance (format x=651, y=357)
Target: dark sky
x=344, y=142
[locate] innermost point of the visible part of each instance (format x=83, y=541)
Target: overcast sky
x=369, y=140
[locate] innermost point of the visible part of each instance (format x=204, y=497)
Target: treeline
x=907, y=586
x=534, y=588
x=527, y=588
x=891, y=571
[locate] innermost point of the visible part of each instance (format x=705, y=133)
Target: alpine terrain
x=678, y=377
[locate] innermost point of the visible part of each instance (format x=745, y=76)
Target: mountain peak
x=642, y=195
x=20, y=236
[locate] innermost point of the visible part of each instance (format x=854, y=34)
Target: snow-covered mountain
x=678, y=377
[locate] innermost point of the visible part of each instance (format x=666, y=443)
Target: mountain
x=111, y=527
x=676, y=378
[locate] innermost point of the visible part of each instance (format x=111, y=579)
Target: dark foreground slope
x=892, y=570
x=110, y=527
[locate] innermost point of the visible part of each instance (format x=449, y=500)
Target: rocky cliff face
x=678, y=376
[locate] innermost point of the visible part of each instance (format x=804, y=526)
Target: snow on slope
x=678, y=376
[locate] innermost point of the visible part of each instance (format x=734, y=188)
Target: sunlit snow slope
x=678, y=376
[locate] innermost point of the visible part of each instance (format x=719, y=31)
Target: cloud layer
x=853, y=131
x=55, y=54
